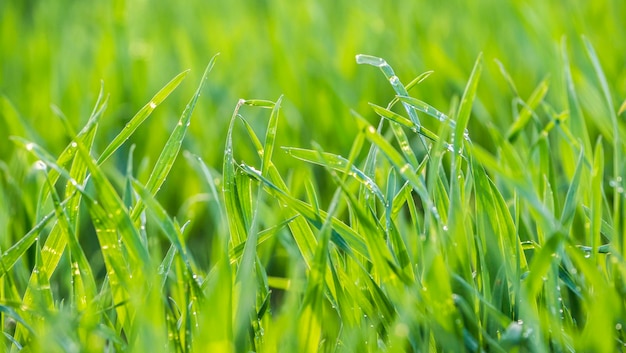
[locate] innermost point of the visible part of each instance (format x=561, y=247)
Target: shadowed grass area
x=346, y=203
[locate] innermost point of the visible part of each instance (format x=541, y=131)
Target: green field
x=313, y=176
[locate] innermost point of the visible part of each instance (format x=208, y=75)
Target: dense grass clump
x=406, y=227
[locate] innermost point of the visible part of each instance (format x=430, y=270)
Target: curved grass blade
x=395, y=83
x=336, y=162
x=399, y=119
x=428, y=109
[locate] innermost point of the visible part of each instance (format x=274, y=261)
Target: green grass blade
x=343, y=236
x=270, y=137
x=336, y=162
x=399, y=119
x=465, y=109
x=571, y=200
x=172, y=146
x=393, y=80
x=141, y=116
x=524, y=117
x=232, y=204
x=596, y=194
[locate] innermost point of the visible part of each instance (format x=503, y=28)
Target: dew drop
x=152, y=105
x=40, y=165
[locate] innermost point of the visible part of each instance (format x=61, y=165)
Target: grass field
x=315, y=176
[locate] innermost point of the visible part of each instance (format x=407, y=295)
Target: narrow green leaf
x=234, y=213
x=141, y=116
x=343, y=236
x=465, y=109
x=270, y=137
x=172, y=146
x=571, y=200
x=524, y=117
x=336, y=162
x=596, y=194
x=397, y=118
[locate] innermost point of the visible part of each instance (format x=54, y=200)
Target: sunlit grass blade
x=170, y=151
x=393, y=80
x=465, y=109
x=14, y=253
x=406, y=170
x=82, y=275
x=337, y=163
x=141, y=116
x=427, y=109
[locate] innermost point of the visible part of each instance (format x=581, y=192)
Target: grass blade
x=141, y=116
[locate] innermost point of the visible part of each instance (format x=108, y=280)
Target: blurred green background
x=59, y=52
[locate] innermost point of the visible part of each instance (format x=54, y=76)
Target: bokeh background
x=59, y=52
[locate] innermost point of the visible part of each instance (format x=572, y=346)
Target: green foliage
x=475, y=209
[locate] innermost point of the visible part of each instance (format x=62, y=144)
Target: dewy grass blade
x=141, y=116
x=236, y=220
x=427, y=109
x=172, y=146
x=83, y=279
x=399, y=119
x=465, y=109
x=405, y=169
x=15, y=252
x=618, y=147
x=571, y=199
x=395, y=83
x=338, y=163
x=117, y=212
